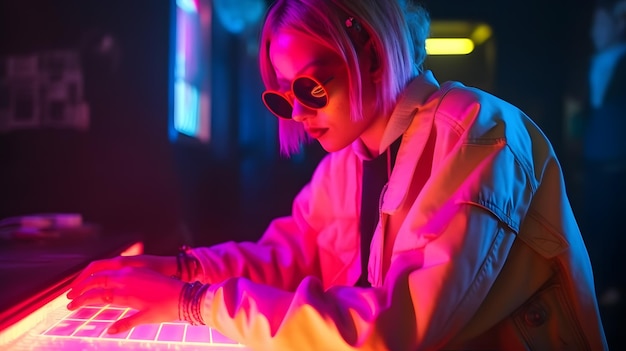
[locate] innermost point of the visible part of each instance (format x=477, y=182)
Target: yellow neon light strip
x=449, y=46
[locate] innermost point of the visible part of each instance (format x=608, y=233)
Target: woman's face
x=293, y=54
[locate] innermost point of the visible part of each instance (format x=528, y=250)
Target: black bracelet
x=196, y=305
x=186, y=265
x=187, y=272
x=190, y=302
x=179, y=268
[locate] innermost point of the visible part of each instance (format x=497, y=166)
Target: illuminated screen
x=190, y=89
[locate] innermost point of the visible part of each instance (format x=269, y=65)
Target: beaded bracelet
x=190, y=302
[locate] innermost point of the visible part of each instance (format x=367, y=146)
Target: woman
x=471, y=239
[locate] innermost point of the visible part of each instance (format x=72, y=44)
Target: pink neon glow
x=90, y=323
x=85, y=329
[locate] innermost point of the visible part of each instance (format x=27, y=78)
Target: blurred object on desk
x=46, y=226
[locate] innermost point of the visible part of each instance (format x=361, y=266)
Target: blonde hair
x=397, y=31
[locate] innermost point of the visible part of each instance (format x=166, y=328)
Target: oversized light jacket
x=476, y=246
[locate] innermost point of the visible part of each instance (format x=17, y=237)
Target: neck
x=373, y=135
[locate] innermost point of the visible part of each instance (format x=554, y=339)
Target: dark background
x=124, y=174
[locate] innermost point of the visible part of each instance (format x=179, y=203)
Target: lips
x=316, y=133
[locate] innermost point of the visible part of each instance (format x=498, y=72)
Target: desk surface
x=33, y=272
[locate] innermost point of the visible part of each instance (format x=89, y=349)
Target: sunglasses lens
x=279, y=106
x=310, y=93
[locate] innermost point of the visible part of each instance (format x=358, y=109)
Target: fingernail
x=112, y=330
x=70, y=306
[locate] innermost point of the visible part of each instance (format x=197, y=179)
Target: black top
x=375, y=176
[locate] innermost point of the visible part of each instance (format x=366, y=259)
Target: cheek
x=338, y=105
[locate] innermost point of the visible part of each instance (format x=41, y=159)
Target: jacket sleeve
x=456, y=239
x=462, y=239
x=295, y=246
x=417, y=308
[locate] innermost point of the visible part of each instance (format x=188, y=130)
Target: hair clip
x=352, y=23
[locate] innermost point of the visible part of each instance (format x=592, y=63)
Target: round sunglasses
x=307, y=90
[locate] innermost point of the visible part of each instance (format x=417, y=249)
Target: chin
x=333, y=147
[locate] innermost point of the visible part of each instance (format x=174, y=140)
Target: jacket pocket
x=547, y=321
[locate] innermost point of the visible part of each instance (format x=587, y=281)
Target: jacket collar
x=414, y=134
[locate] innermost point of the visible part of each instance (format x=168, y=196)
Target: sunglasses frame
x=285, y=96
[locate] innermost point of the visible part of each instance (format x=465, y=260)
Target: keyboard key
x=219, y=338
x=92, y=329
x=64, y=328
x=198, y=333
x=84, y=313
x=110, y=314
x=172, y=332
x=144, y=332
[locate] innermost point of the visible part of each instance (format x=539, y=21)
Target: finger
x=103, y=280
x=79, y=287
x=97, y=296
x=94, y=268
x=124, y=324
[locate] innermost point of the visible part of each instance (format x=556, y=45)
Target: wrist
x=190, y=303
x=187, y=266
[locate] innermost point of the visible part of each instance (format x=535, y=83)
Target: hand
x=165, y=265
x=153, y=295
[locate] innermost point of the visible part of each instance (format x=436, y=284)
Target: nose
x=301, y=112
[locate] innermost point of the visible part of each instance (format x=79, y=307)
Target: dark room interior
x=116, y=163
x=124, y=174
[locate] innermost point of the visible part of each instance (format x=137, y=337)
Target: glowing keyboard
x=85, y=329
x=91, y=322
